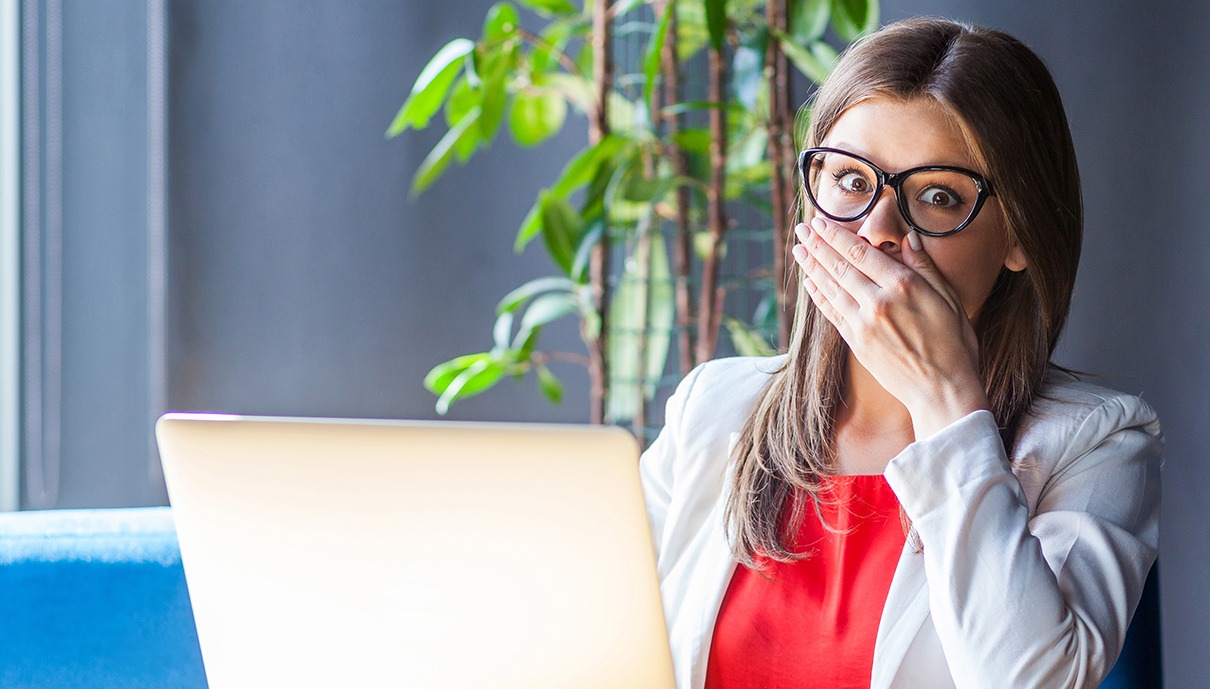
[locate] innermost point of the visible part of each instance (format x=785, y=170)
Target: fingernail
x=914, y=240
x=818, y=223
x=799, y=252
x=800, y=231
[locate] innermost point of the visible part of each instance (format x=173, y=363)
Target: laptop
x=434, y=555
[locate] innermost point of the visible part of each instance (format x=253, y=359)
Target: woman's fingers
x=823, y=286
x=851, y=250
x=838, y=267
x=824, y=297
x=863, y=270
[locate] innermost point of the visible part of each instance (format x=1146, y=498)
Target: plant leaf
x=641, y=312
x=591, y=326
x=694, y=140
x=873, y=17
x=525, y=342
x=536, y=116
x=431, y=86
x=502, y=331
x=549, y=384
x=436, y=161
x=661, y=314
x=716, y=23
x=583, y=168
x=515, y=298
x=561, y=227
x=623, y=6
x=802, y=58
x=579, y=264
x=853, y=18
x=826, y=55
x=547, y=8
x=542, y=58
x=703, y=243
x=655, y=54
x=746, y=341
x=809, y=20
x=441, y=375
x=495, y=98
x=547, y=309
x=474, y=379
x=580, y=170
x=577, y=90
x=692, y=105
x=462, y=100
x=625, y=116
x=501, y=22
x=531, y=224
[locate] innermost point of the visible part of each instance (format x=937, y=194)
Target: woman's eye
x=853, y=182
x=939, y=197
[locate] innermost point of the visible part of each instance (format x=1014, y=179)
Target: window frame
x=10, y=248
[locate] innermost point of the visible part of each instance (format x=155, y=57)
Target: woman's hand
x=902, y=321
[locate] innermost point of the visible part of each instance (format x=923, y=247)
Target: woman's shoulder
x=717, y=397
x=745, y=371
x=734, y=382
x=1071, y=416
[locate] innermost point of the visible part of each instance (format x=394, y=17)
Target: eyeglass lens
x=935, y=200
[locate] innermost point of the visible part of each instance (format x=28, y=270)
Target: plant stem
x=534, y=39
x=643, y=257
x=682, y=248
x=711, y=297
x=569, y=357
x=602, y=68
x=781, y=156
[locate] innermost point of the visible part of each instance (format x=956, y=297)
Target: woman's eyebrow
x=944, y=162
x=846, y=146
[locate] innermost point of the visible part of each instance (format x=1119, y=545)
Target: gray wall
x=302, y=280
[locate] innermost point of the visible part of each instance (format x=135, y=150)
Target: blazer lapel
x=906, y=609
x=712, y=575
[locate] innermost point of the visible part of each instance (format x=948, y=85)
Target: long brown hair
x=1010, y=111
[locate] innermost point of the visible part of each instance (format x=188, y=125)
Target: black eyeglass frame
x=894, y=180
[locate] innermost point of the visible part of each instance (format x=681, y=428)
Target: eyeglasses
x=936, y=200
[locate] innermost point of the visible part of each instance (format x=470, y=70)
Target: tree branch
x=709, y=302
x=602, y=68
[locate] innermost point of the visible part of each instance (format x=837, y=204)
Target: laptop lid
x=330, y=553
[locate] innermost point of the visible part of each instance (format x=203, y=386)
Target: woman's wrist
x=945, y=404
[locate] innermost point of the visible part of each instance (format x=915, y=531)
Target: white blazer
x=1030, y=570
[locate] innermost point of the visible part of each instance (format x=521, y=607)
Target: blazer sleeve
x=1039, y=598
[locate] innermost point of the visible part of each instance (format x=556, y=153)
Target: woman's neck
x=872, y=426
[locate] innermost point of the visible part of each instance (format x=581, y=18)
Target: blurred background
x=201, y=212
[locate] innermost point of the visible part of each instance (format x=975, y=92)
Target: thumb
x=916, y=258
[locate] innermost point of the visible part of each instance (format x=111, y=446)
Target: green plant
x=671, y=153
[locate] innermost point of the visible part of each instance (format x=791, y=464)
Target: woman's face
x=897, y=135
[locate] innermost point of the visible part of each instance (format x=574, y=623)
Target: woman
x=912, y=496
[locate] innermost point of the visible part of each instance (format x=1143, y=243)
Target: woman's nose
x=884, y=226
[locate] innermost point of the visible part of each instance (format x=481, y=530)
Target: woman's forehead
x=898, y=134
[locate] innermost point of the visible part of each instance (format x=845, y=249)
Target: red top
x=813, y=622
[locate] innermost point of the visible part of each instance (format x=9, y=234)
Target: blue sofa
x=96, y=599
